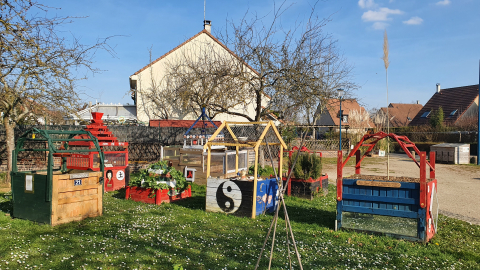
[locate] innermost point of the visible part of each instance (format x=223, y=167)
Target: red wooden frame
x=370, y=140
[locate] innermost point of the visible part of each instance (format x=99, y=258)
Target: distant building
x=401, y=114
x=351, y=110
x=112, y=113
x=458, y=104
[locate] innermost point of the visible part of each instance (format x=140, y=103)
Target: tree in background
x=436, y=120
x=299, y=68
x=39, y=67
x=296, y=70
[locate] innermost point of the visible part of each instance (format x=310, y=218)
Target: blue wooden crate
x=401, y=202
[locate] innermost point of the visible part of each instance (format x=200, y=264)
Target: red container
x=157, y=196
x=306, y=188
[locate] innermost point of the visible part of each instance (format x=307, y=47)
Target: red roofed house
x=152, y=75
x=401, y=114
x=458, y=104
x=355, y=117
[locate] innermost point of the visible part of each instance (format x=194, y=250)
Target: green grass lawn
x=134, y=235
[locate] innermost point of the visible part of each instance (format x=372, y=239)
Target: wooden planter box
x=72, y=197
x=391, y=207
x=236, y=196
x=307, y=189
x=157, y=197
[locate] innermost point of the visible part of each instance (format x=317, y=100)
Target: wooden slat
x=379, y=184
x=78, y=199
x=77, y=188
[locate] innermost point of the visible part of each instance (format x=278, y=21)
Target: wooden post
x=236, y=160
x=423, y=179
x=280, y=167
x=209, y=154
x=255, y=171
x=339, y=175
x=357, y=162
x=432, y=163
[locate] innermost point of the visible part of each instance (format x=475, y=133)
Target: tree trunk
x=10, y=140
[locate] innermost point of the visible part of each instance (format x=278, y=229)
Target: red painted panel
x=145, y=195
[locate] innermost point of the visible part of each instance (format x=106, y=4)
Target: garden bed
x=307, y=189
x=156, y=196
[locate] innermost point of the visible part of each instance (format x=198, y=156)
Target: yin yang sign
x=229, y=197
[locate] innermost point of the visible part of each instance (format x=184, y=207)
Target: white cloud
x=380, y=14
x=380, y=25
x=414, y=21
x=442, y=3
x=367, y=3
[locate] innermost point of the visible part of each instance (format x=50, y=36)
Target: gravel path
x=458, y=185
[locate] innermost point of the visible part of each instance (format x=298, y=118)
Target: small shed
x=453, y=153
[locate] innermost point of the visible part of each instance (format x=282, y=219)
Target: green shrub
x=308, y=165
x=263, y=172
x=148, y=179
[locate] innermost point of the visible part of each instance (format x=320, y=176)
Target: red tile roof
x=348, y=105
x=402, y=114
x=451, y=99
x=182, y=123
x=190, y=39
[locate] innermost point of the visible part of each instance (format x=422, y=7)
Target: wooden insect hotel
x=401, y=207
x=116, y=162
x=237, y=193
x=56, y=196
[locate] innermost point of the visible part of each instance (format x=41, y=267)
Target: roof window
x=453, y=113
x=425, y=114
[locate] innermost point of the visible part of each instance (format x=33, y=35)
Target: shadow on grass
x=196, y=202
x=119, y=194
x=320, y=217
x=6, y=206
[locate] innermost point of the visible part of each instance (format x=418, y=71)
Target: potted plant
x=158, y=183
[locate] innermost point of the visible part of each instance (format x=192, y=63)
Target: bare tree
x=207, y=76
x=289, y=72
x=299, y=68
x=38, y=66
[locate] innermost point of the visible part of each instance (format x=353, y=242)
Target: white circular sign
x=120, y=175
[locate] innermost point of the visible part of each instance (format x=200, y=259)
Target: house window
x=425, y=114
x=453, y=113
x=345, y=118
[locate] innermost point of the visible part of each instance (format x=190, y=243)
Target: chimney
x=438, y=87
x=418, y=101
x=207, y=25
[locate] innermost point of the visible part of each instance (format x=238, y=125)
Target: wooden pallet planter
x=401, y=207
x=158, y=196
x=307, y=189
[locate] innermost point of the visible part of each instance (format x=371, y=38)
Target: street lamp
x=340, y=113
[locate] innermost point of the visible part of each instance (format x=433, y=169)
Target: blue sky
x=431, y=41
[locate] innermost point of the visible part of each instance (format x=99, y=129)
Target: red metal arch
x=370, y=140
